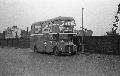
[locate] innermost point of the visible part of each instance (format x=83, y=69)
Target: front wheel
x=56, y=51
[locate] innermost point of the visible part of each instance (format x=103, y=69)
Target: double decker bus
x=53, y=36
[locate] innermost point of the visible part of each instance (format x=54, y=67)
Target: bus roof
x=60, y=18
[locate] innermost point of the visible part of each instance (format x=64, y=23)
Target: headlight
x=45, y=43
x=62, y=41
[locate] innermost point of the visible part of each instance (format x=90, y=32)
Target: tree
x=118, y=12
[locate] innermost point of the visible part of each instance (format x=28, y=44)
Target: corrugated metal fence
x=96, y=44
x=100, y=44
x=15, y=42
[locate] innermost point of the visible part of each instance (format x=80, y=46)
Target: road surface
x=24, y=62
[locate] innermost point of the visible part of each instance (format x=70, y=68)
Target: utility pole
x=16, y=34
x=82, y=33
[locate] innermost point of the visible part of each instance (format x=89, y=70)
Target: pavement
x=24, y=62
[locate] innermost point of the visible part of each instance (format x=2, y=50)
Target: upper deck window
x=71, y=23
x=37, y=26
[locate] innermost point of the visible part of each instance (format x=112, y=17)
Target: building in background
x=16, y=32
x=13, y=32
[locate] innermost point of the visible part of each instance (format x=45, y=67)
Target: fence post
x=7, y=42
x=119, y=44
x=12, y=42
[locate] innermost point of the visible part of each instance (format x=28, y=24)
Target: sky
x=98, y=14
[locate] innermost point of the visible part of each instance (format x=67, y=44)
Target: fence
x=15, y=42
x=96, y=44
x=100, y=44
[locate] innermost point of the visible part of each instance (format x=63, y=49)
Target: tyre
x=35, y=49
x=73, y=53
x=56, y=51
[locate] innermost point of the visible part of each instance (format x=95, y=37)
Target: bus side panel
x=40, y=45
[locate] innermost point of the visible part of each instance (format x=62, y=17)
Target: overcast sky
x=98, y=14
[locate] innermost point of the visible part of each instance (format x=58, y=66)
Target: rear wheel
x=35, y=49
x=73, y=53
x=56, y=51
